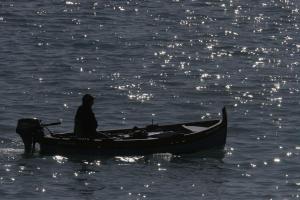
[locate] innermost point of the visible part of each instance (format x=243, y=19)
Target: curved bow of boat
x=224, y=115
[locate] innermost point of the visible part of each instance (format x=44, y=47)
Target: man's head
x=88, y=99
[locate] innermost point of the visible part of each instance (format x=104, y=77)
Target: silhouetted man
x=85, y=121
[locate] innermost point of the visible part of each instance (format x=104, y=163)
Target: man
x=85, y=121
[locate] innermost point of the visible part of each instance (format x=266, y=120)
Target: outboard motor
x=31, y=131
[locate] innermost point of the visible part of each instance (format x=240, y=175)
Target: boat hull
x=178, y=145
x=211, y=138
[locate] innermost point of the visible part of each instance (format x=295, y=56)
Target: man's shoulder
x=84, y=109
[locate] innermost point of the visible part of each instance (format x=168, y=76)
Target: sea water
x=168, y=61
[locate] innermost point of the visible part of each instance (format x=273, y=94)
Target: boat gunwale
x=218, y=124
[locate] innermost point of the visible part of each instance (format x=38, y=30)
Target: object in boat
x=174, y=138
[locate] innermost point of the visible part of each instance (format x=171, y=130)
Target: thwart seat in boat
x=195, y=129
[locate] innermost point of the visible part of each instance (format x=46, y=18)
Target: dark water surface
x=172, y=61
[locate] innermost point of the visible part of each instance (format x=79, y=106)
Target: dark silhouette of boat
x=175, y=138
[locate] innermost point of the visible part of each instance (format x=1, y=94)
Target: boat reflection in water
x=96, y=160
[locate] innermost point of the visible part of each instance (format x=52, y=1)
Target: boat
x=180, y=138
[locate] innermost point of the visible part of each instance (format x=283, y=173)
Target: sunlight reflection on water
x=172, y=61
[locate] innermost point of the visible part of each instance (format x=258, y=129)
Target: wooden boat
x=175, y=138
